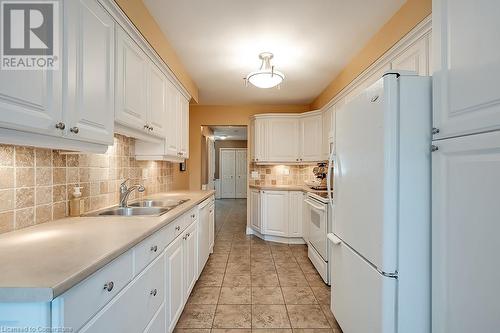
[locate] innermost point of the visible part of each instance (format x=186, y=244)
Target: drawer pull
x=153, y=292
x=192, y=216
x=109, y=286
x=154, y=248
x=177, y=228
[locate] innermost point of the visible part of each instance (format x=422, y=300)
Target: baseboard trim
x=276, y=239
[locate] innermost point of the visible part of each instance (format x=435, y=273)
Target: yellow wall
x=405, y=19
x=137, y=12
x=200, y=115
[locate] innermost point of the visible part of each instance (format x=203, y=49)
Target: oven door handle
x=310, y=203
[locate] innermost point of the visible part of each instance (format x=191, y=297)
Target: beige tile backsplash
x=275, y=174
x=36, y=184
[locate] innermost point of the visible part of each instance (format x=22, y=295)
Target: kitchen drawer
x=135, y=306
x=192, y=215
x=80, y=303
x=151, y=247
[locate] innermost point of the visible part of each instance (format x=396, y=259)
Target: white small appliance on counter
x=381, y=237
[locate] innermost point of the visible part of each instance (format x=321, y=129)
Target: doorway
x=224, y=138
x=233, y=173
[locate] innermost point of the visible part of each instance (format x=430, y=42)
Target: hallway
x=253, y=285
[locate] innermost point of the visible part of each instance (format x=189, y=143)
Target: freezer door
x=465, y=231
x=366, y=173
x=363, y=300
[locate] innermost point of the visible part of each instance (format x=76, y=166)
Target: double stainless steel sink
x=142, y=208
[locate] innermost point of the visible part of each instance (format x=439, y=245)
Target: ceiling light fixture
x=266, y=77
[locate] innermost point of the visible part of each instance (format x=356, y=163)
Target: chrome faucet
x=125, y=192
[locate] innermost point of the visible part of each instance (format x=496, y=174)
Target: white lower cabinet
x=190, y=258
x=277, y=214
x=255, y=213
x=144, y=289
x=140, y=301
x=211, y=228
x=295, y=204
x=174, y=282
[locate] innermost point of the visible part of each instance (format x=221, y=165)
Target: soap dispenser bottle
x=76, y=205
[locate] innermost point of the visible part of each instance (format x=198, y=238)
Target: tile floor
x=252, y=285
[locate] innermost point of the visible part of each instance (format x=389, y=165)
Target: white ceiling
x=230, y=132
x=219, y=41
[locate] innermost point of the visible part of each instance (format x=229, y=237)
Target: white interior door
x=227, y=173
x=241, y=173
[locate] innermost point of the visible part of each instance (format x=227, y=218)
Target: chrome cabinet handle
x=177, y=228
x=153, y=292
x=74, y=130
x=109, y=286
x=154, y=248
x=151, y=128
x=60, y=125
x=146, y=127
x=193, y=215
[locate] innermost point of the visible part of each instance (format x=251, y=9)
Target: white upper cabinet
x=466, y=76
x=289, y=138
x=415, y=58
x=283, y=139
x=260, y=140
x=131, y=78
x=90, y=72
x=184, y=129
x=311, y=137
x=157, y=101
x=31, y=101
x=173, y=142
x=328, y=133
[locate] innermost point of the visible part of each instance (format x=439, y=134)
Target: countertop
x=41, y=262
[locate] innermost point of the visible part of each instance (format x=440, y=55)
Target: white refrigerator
x=381, y=232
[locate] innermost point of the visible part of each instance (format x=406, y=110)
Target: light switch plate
x=254, y=175
x=286, y=171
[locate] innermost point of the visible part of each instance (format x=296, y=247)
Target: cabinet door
x=275, y=213
x=211, y=228
x=260, y=141
x=311, y=138
x=90, y=73
x=306, y=213
x=31, y=100
x=203, y=237
x=283, y=139
x=465, y=229
x=131, y=79
x=327, y=123
x=157, y=101
x=255, y=208
x=296, y=202
x=415, y=58
x=172, y=146
x=157, y=324
x=466, y=76
x=140, y=300
x=241, y=173
x=184, y=124
x=174, y=280
x=251, y=140
x=190, y=258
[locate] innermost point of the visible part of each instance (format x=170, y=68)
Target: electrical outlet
x=286, y=171
x=254, y=175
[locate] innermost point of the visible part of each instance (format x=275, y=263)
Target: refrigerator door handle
x=334, y=239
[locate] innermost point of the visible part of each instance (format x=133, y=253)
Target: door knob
x=109, y=286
